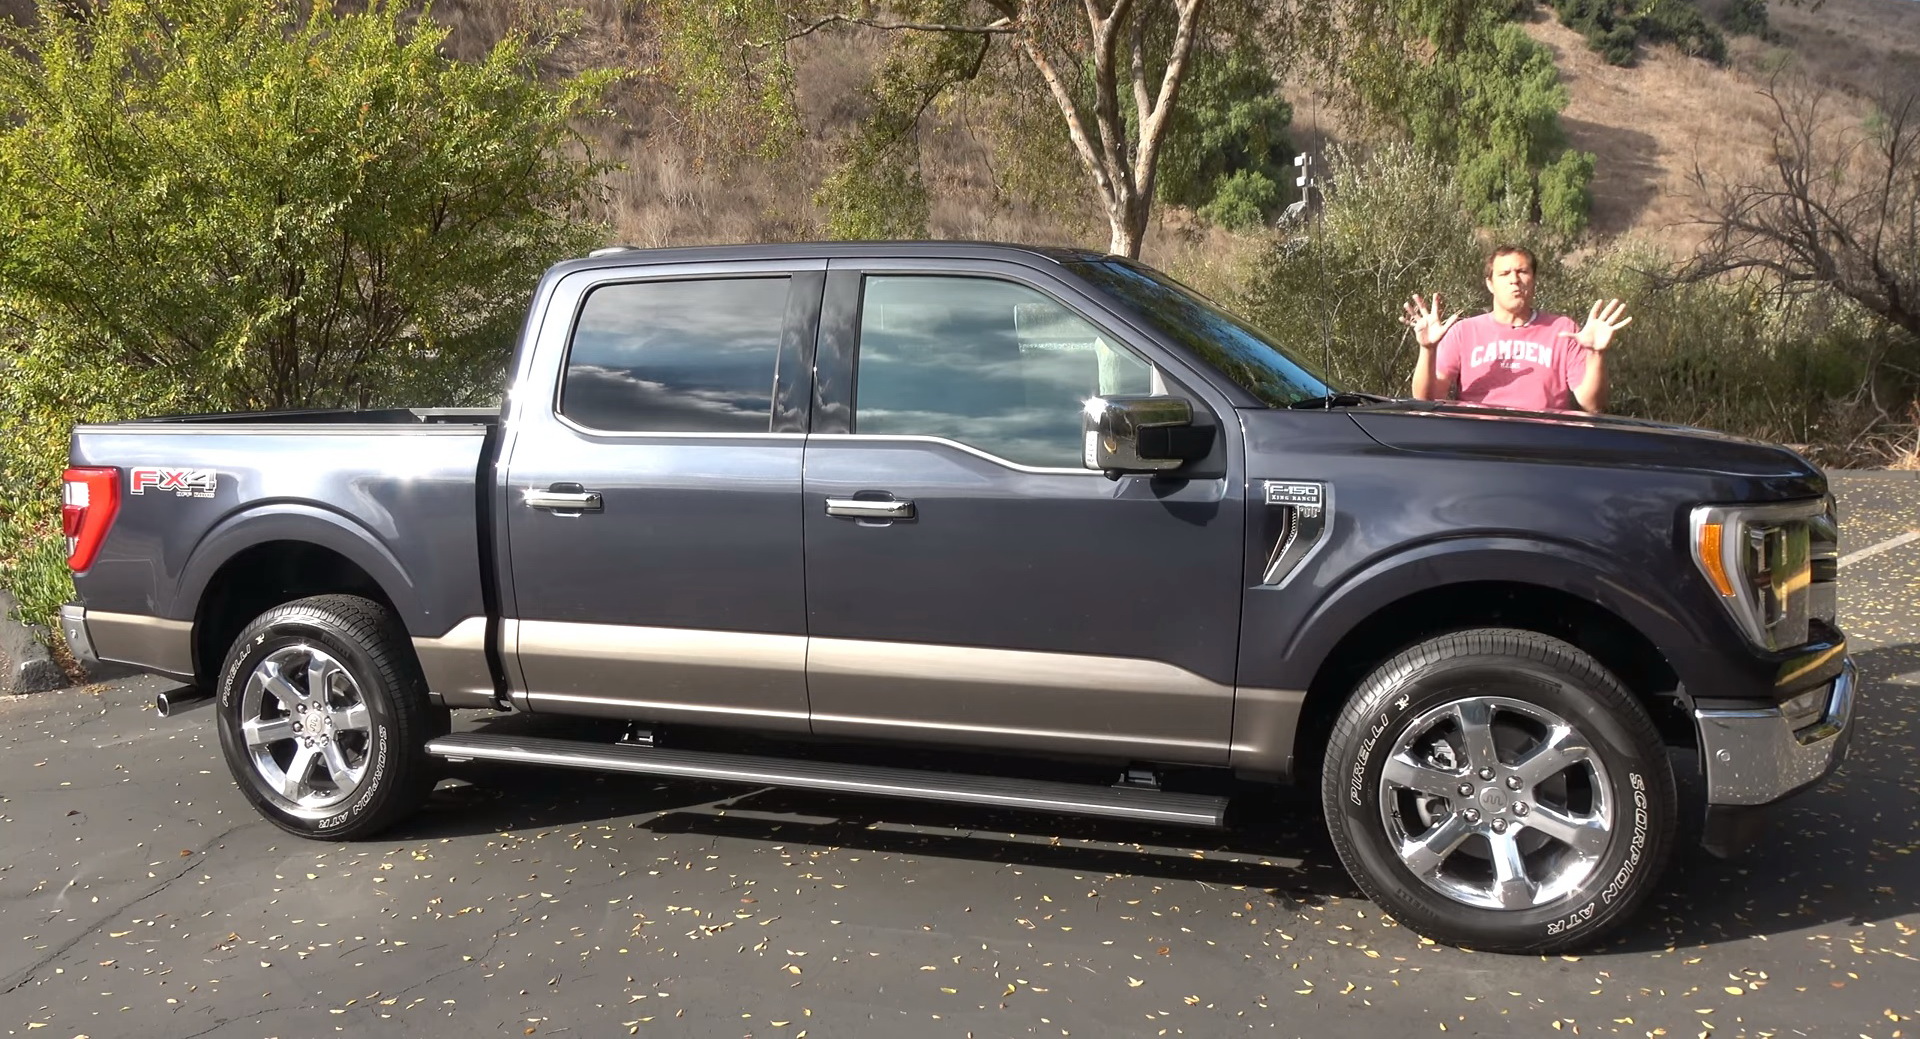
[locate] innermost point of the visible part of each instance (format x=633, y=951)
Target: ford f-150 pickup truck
x=989, y=503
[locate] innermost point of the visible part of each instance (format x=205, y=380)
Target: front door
x=967, y=580
x=652, y=507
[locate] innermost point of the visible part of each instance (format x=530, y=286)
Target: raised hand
x=1425, y=321
x=1606, y=318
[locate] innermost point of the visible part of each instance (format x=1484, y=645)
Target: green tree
x=1472, y=87
x=1112, y=71
x=273, y=207
x=229, y=204
x=1227, y=149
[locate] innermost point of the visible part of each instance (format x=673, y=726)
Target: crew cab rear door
x=652, y=494
x=968, y=581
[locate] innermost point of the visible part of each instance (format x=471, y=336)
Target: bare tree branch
x=1838, y=204
x=1004, y=27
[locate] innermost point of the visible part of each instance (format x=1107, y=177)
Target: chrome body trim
x=153, y=643
x=639, y=434
x=582, y=501
x=917, y=438
x=865, y=509
x=679, y=673
x=455, y=665
x=1752, y=756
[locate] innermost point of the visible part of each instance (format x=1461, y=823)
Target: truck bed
x=397, y=494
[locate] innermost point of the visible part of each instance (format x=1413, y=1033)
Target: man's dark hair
x=1509, y=250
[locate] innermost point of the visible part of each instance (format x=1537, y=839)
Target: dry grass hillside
x=1648, y=125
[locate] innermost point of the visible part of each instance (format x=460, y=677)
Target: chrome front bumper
x=1754, y=757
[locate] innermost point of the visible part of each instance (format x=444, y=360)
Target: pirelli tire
x=1499, y=789
x=324, y=718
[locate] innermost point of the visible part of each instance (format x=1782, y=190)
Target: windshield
x=1258, y=364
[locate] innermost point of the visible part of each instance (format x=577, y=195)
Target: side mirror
x=1141, y=434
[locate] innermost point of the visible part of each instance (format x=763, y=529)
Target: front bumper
x=1752, y=756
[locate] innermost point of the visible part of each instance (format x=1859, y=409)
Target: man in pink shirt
x=1514, y=356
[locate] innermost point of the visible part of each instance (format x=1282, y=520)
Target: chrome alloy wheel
x=306, y=727
x=1496, y=803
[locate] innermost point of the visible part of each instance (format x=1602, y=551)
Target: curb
x=1903, y=475
x=27, y=667
x=25, y=664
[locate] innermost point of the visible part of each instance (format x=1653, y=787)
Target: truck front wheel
x=1499, y=789
x=324, y=718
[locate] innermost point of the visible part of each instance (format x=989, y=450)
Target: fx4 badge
x=183, y=483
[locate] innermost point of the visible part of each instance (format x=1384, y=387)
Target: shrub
x=228, y=204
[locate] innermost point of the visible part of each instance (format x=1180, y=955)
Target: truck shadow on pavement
x=1841, y=856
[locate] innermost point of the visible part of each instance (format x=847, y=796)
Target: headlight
x=1761, y=560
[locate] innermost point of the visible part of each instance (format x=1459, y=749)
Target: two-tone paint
x=712, y=578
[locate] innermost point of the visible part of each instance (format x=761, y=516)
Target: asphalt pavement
x=141, y=896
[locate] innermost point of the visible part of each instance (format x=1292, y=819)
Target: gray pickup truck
x=993, y=504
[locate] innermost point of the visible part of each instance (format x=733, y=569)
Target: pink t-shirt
x=1533, y=366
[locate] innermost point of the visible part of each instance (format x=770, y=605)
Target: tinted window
x=676, y=356
x=1231, y=346
x=991, y=364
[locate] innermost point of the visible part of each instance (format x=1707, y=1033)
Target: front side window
x=991, y=364
x=693, y=356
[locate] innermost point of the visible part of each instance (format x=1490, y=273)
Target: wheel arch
x=275, y=559
x=1582, y=621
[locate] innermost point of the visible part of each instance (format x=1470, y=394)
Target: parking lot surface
x=141, y=896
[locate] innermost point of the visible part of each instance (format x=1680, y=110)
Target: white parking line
x=1874, y=550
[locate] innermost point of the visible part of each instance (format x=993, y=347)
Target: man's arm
x=1428, y=383
x=1591, y=393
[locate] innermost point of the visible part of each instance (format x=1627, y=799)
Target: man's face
x=1511, y=283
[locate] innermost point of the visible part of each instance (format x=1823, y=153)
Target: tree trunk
x=1122, y=166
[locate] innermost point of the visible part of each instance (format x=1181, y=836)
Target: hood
x=1460, y=430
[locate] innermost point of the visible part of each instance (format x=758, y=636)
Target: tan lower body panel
x=1017, y=699
x=1265, y=724
x=154, y=643
x=661, y=674
x=455, y=665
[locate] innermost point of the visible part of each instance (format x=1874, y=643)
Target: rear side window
x=693, y=356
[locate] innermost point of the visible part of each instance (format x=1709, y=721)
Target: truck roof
x=616, y=255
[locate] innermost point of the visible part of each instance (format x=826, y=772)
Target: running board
x=872, y=781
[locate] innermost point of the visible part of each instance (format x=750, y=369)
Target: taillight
x=88, y=503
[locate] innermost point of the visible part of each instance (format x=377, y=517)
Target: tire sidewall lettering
x=1622, y=876
x=1357, y=773
x=369, y=787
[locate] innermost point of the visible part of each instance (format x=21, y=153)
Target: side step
x=1063, y=798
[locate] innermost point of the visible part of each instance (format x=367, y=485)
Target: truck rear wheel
x=1499, y=789
x=324, y=718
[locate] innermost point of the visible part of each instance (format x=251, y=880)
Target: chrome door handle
x=571, y=501
x=863, y=509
